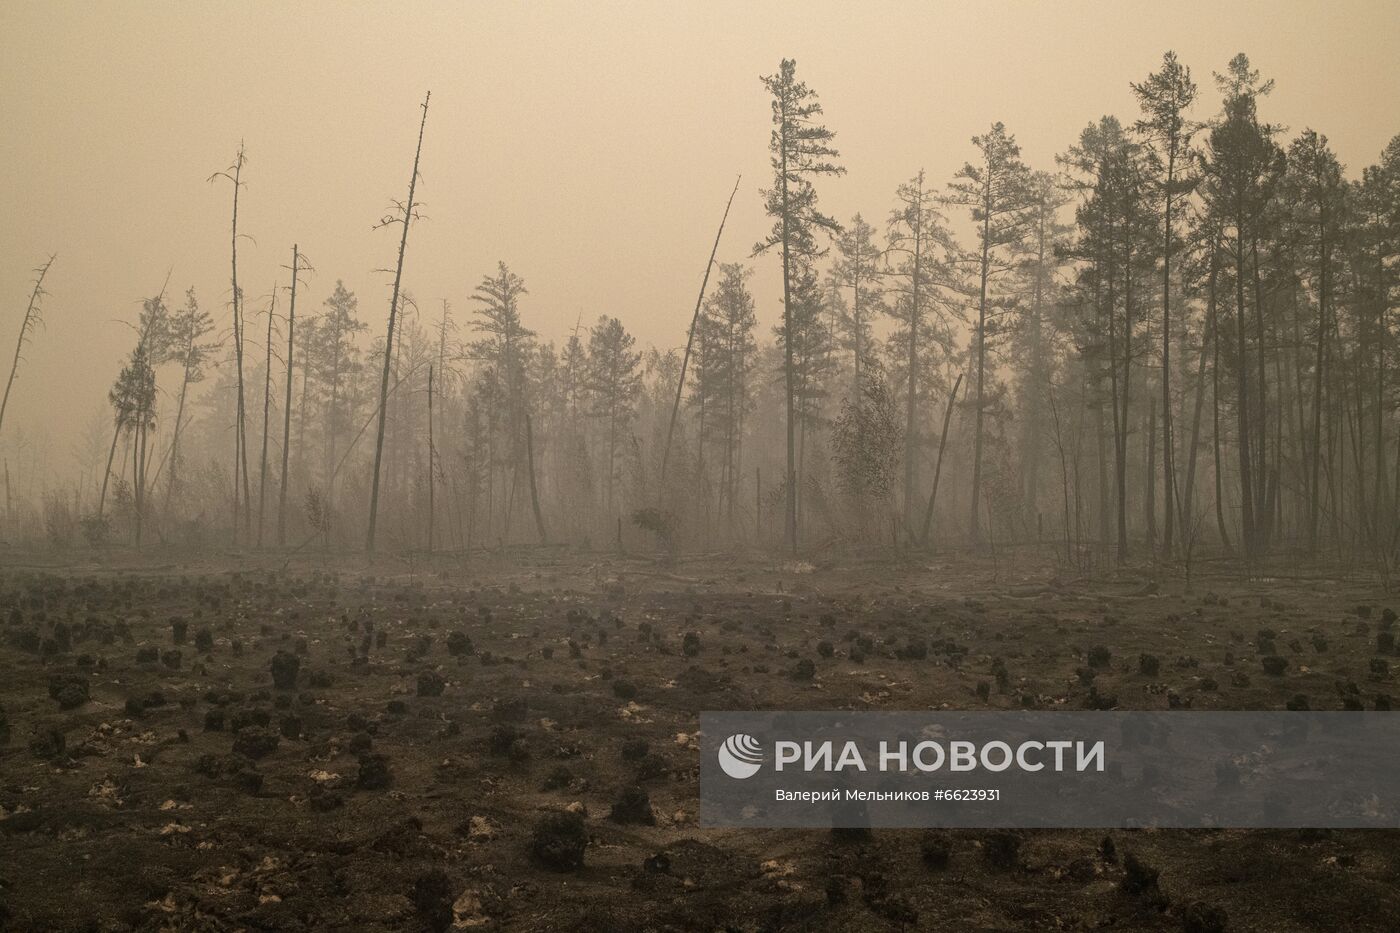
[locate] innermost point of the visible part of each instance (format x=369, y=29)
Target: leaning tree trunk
x=107, y=474
x=406, y=220
x=690, y=338
x=938, y=466
x=31, y=318
x=175, y=439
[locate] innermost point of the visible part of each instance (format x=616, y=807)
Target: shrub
x=1139, y=878
x=634, y=806
x=459, y=644
x=1002, y=850
x=284, y=670
x=70, y=690
x=1201, y=917
x=432, y=898
x=374, y=772
x=255, y=742
x=559, y=841
x=935, y=849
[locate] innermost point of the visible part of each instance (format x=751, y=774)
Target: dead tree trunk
x=107, y=474
x=406, y=220
x=938, y=467
x=287, y=404
x=267, y=411
x=1242, y=403
x=240, y=450
x=431, y=458
x=534, y=491
x=1213, y=324
x=31, y=320
x=690, y=338
x=1188, y=489
x=1149, y=498
x=980, y=337
x=1064, y=471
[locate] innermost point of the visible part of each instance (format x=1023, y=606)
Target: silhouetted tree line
x=1179, y=336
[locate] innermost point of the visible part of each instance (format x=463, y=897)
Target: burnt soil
x=200, y=744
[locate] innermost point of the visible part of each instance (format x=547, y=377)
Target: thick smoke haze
x=589, y=146
x=1047, y=370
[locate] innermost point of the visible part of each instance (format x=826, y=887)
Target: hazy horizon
x=591, y=148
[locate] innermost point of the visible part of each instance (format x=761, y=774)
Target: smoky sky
x=589, y=145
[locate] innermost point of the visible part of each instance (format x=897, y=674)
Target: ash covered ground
x=245, y=744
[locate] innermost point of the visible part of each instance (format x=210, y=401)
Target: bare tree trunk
x=1188, y=489
x=407, y=221
x=1263, y=507
x=267, y=410
x=980, y=336
x=431, y=459
x=690, y=338
x=240, y=443
x=1064, y=471
x=1101, y=435
x=138, y=472
x=1168, y=464
x=287, y=404
x=1243, y=406
x=1378, y=499
x=911, y=438
x=534, y=492
x=1150, y=484
x=1213, y=325
x=791, y=513
x=938, y=466
x=179, y=419
x=1127, y=384
x=107, y=474
x=26, y=327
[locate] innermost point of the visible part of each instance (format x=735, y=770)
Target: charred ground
x=232, y=745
